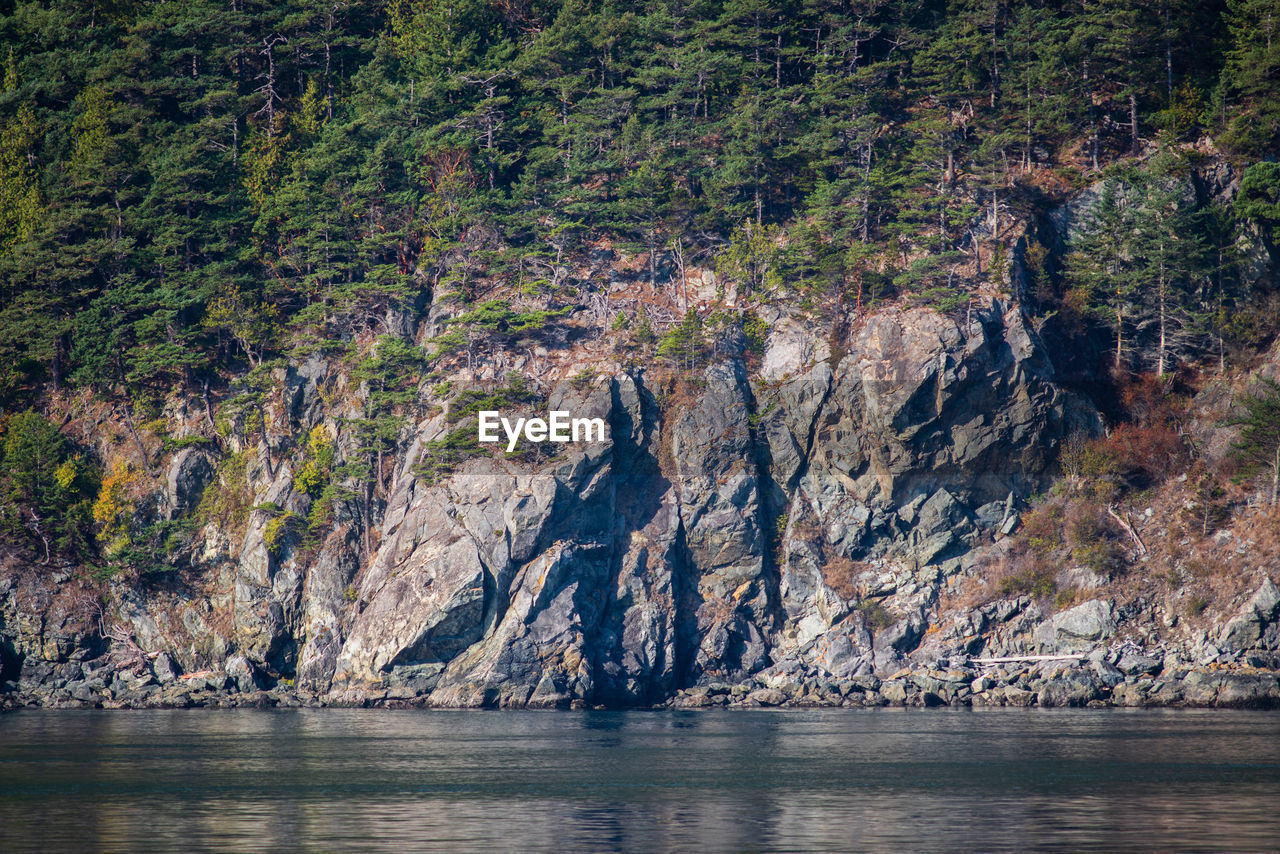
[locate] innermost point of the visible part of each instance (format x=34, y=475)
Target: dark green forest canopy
x=191, y=188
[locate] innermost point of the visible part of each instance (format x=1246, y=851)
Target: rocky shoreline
x=1106, y=678
x=1120, y=676
x=1071, y=659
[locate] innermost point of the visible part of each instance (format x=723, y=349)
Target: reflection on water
x=638, y=781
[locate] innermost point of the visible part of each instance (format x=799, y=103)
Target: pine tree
x=1258, y=203
x=1143, y=261
x=1258, y=445
x=1250, y=81
x=388, y=374
x=44, y=486
x=20, y=203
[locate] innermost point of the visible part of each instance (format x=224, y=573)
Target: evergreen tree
x=1143, y=262
x=44, y=487
x=1258, y=445
x=1250, y=81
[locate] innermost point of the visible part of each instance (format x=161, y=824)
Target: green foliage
x=190, y=189
x=1258, y=201
x=228, y=498
x=20, y=202
x=153, y=547
x=471, y=401
x=45, y=487
x=584, y=378
x=278, y=528
x=931, y=280
x=1250, y=82
x=751, y=259
x=440, y=457
x=389, y=372
x=494, y=320
x=317, y=462
x=1258, y=445
x=684, y=343
x=171, y=444
x=644, y=334
x=756, y=332
x=1143, y=265
x=321, y=515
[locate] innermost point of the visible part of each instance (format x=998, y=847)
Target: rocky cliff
x=787, y=538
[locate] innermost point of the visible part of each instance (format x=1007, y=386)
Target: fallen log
x=1009, y=659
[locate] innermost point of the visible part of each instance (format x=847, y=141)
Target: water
x=835, y=780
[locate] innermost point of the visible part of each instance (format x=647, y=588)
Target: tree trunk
x=1093, y=118
x=1128, y=529
x=1164, y=320
x=208, y=413
x=366, y=535
x=137, y=440
x=1275, y=477
x=1133, y=122
x=1119, y=337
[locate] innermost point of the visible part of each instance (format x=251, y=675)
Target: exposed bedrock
x=709, y=539
x=724, y=530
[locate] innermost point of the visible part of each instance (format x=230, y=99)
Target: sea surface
x=830, y=780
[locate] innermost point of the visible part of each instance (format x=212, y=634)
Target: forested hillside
x=189, y=188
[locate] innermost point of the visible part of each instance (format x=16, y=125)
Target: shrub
x=495, y=319
x=837, y=573
x=472, y=401
x=113, y=509
x=1033, y=580
x=317, y=464
x=875, y=614
x=756, y=332
x=643, y=333
x=583, y=378
x=1042, y=528
x=323, y=510
x=228, y=498
x=1089, y=535
x=151, y=548
x=441, y=456
x=276, y=530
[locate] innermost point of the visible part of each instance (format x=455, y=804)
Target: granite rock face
x=806, y=520
x=696, y=545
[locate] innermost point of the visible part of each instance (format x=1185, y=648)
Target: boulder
x=189, y=473
x=165, y=668
x=242, y=673
x=1246, y=630
x=1089, y=621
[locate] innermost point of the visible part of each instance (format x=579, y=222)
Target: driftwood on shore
x=1009, y=659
